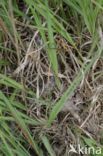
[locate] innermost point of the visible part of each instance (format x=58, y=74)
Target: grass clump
x=51, y=76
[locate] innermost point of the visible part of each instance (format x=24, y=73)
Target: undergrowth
x=51, y=76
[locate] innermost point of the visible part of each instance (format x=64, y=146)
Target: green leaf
x=48, y=146
x=60, y=104
x=21, y=124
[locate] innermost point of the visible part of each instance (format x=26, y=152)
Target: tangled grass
x=51, y=76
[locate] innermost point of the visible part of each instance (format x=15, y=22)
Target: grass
x=51, y=63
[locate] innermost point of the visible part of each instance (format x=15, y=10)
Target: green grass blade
x=47, y=145
x=52, y=53
x=8, y=148
x=21, y=123
x=59, y=105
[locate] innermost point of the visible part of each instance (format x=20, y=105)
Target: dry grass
x=24, y=58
